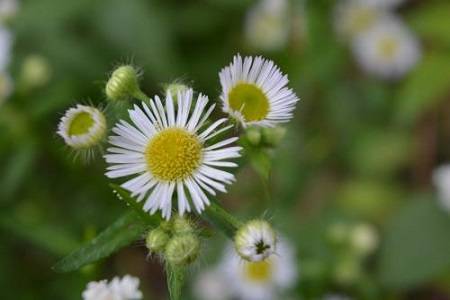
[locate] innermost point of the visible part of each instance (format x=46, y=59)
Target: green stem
x=221, y=219
x=140, y=95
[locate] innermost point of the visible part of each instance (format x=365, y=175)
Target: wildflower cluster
x=381, y=42
x=175, y=157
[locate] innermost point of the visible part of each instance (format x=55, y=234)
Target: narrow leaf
x=221, y=219
x=152, y=220
x=125, y=230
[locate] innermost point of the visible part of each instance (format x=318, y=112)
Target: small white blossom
x=126, y=288
x=388, y=49
x=210, y=285
x=441, y=180
x=267, y=25
x=5, y=48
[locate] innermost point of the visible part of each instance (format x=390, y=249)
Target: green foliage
x=416, y=248
x=175, y=280
x=127, y=229
x=221, y=219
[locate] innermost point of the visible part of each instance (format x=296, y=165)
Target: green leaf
x=417, y=245
x=175, y=281
x=152, y=220
x=428, y=84
x=221, y=219
x=125, y=230
x=432, y=21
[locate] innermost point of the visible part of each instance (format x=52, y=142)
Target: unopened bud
x=255, y=241
x=123, y=84
x=157, y=240
x=181, y=225
x=273, y=135
x=182, y=250
x=253, y=135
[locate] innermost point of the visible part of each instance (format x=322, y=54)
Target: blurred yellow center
x=387, y=47
x=250, y=101
x=173, y=154
x=260, y=271
x=81, y=124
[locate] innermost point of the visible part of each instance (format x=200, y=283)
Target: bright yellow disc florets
x=81, y=124
x=250, y=101
x=260, y=271
x=173, y=154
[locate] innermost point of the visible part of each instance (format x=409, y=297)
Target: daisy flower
x=82, y=127
x=209, y=285
x=266, y=27
x=254, y=91
x=387, y=50
x=126, y=288
x=262, y=280
x=441, y=180
x=166, y=152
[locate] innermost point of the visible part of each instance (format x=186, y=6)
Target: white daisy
x=82, y=127
x=263, y=280
x=388, y=49
x=126, y=288
x=8, y=9
x=5, y=47
x=266, y=25
x=166, y=151
x=353, y=17
x=255, y=241
x=441, y=180
x=254, y=91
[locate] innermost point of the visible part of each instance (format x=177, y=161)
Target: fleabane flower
x=266, y=26
x=255, y=92
x=255, y=241
x=82, y=127
x=166, y=151
x=126, y=288
x=261, y=280
x=387, y=50
x=441, y=180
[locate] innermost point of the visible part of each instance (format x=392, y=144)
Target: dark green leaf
x=127, y=229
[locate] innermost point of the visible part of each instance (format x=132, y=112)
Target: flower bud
x=181, y=225
x=157, y=240
x=174, y=88
x=182, y=250
x=123, y=84
x=255, y=240
x=273, y=135
x=364, y=239
x=253, y=135
x=82, y=127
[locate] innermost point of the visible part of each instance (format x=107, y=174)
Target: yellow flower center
x=81, y=124
x=387, y=47
x=173, y=154
x=260, y=271
x=250, y=101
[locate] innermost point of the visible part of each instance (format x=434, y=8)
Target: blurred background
x=352, y=183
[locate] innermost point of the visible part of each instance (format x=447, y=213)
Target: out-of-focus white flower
x=5, y=47
x=255, y=92
x=387, y=4
x=211, y=285
x=262, y=280
x=167, y=151
x=364, y=239
x=388, y=49
x=267, y=25
x=8, y=9
x=441, y=180
x=352, y=17
x=126, y=288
